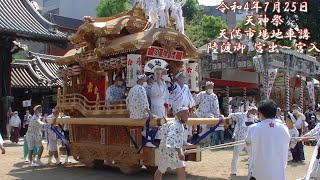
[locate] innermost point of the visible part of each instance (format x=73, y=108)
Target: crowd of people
x=35, y=128
x=272, y=138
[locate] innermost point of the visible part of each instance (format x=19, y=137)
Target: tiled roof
x=65, y=22
x=36, y=73
x=19, y=18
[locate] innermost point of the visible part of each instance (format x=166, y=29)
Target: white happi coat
x=293, y=142
x=300, y=121
x=35, y=127
x=159, y=96
x=114, y=93
x=137, y=102
x=208, y=107
x=180, y=97
x=15, y=121
x=269, y=141
x=26, y=119
x=314, y=166
x=173, y=132
x=240, y=130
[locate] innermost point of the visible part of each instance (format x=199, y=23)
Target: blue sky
x=209, y=2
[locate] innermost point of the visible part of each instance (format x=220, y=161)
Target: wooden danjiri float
x=100, y=132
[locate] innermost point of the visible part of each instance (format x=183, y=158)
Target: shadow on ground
x=79, y=172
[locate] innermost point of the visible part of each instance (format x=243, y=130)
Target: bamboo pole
x=134, y=122
x=110, y=121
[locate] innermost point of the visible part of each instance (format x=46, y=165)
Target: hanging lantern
x=113, y=63
x=124, y=61
x=134, y=68
x=192, y=70
x=76, y=70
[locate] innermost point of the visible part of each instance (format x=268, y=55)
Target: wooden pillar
x=5, y=80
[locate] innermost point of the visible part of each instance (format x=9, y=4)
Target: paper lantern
x=134, y=68
x=192, y=71
x=124, y=61
x=76, y=70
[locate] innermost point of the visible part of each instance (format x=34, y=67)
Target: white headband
x=252, y=108
x=208, y=83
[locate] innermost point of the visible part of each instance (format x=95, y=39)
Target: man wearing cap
x=208, y=106
x=243, y=120
x=116, y=91
x=15, y=124
x=34, y=136
x=181, y=97
x=170, y=153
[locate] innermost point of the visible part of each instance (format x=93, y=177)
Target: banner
x=192, y=71
x=272, y=74
x=134, y=68
x=161, y=53
x=310, y=87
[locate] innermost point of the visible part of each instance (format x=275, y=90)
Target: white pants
x=53, y=145
x=236, y=152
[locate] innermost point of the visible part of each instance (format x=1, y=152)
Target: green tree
x=191, y=10
x=204, y=31
x=108, y=8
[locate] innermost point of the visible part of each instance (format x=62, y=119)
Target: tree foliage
x=191, y=10
x=204, y=31
x=108, y=8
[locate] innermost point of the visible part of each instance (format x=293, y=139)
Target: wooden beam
x=110, y=121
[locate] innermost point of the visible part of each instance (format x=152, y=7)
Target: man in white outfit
x=137, y=103
x=269, y=141
x=243, y=120
x=181, y=97
x=159, y=94
x=34, y=136
x=208, y=106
